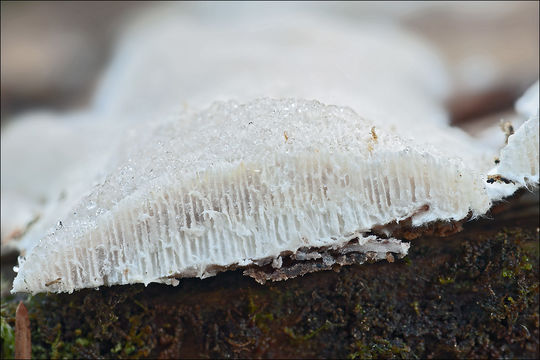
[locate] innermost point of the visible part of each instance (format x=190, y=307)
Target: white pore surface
x=239, y=183
x=181, y=185
x=181, y=59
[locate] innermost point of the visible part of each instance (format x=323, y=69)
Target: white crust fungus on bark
x=245, y=183
x=260, y=182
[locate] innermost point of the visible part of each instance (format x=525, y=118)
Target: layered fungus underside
x=241, y=185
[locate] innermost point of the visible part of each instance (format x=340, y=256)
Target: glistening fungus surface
x=472, y=294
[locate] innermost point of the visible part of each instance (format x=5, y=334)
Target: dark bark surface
x=472, y=294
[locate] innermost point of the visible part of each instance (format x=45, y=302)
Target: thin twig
x=23, y=344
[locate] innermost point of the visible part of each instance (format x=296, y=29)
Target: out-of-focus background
x=53, y=53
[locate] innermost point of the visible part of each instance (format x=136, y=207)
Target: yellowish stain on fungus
x=374, y=134
x=56, y=281
x=508, y=129
x=373, y=140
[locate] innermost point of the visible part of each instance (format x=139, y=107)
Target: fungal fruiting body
x=50, y=161
x=270, y=182
x=229, y=190
x=518, y=161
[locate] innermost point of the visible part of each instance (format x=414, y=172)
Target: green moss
x=416, y=306
x=263, y=321
x=57, y=344
x=252, y=307
x=381, y=348
x=82, y=342
x=309, y=335
x=446, y=280
x=8, y=339
x=525, y=263
x=117, y=348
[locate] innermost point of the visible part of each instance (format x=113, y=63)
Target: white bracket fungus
x=279, y=187
x=231, y=191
